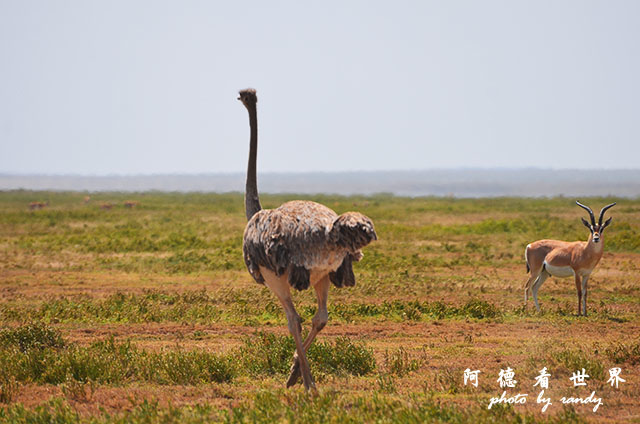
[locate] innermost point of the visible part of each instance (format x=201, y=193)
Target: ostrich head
x=353, y=230
x=248, y=97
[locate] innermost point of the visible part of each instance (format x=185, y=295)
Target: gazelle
x=38, y=205
x=566, y=259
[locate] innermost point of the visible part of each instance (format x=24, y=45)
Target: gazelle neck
x=594, y=247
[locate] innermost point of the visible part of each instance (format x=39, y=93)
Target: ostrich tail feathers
x=353, y=231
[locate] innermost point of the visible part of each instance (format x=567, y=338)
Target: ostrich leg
x=280, y=286
x=317, y=324
x=295, y=329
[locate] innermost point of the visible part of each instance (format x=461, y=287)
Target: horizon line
x=379, y=171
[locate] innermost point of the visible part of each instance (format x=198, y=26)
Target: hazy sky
x=126, y=87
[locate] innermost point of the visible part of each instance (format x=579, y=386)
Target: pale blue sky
x=128, y=87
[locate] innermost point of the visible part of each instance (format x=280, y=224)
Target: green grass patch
x=48, y=359
x=575, y=360
x=416, y=310
x=270, y=354
x=31, y=337
x=246, y=307
x=622, y=352
x=110, y=362
x=399, y=362
x=291, y=407
x=336, y=408
x=569, y=360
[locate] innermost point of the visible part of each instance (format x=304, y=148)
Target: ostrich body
x=300, y=244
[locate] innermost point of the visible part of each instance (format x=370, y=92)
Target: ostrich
x=299, y=244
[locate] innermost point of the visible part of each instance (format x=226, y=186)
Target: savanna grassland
x=147, y=314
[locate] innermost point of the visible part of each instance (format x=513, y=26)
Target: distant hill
x=450, y=182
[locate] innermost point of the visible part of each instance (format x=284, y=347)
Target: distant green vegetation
x=179, y=234
x=230, y=306
x=180, y=227
x=259, y=306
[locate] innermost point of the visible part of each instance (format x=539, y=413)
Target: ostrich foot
x=294, y=376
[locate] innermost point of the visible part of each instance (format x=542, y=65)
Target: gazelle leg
x=317, y=324
x=527, y=287
x=584, y=294
x=536, y=286
x=579, y=290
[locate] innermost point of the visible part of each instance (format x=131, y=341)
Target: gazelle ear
x=586, y=223
x=606, y=224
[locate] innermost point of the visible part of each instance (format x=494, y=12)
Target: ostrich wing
x=344, y=276
x=293, y=238
x=301, y=236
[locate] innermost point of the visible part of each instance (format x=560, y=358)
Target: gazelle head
x=596, y=229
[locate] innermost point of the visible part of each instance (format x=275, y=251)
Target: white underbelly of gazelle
x=559, y=271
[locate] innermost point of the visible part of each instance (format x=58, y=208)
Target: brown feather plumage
x=301, y=236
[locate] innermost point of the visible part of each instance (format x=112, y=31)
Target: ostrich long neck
x=251, y=198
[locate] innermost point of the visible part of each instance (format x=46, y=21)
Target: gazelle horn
x=603, y=210
x=588, y=209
